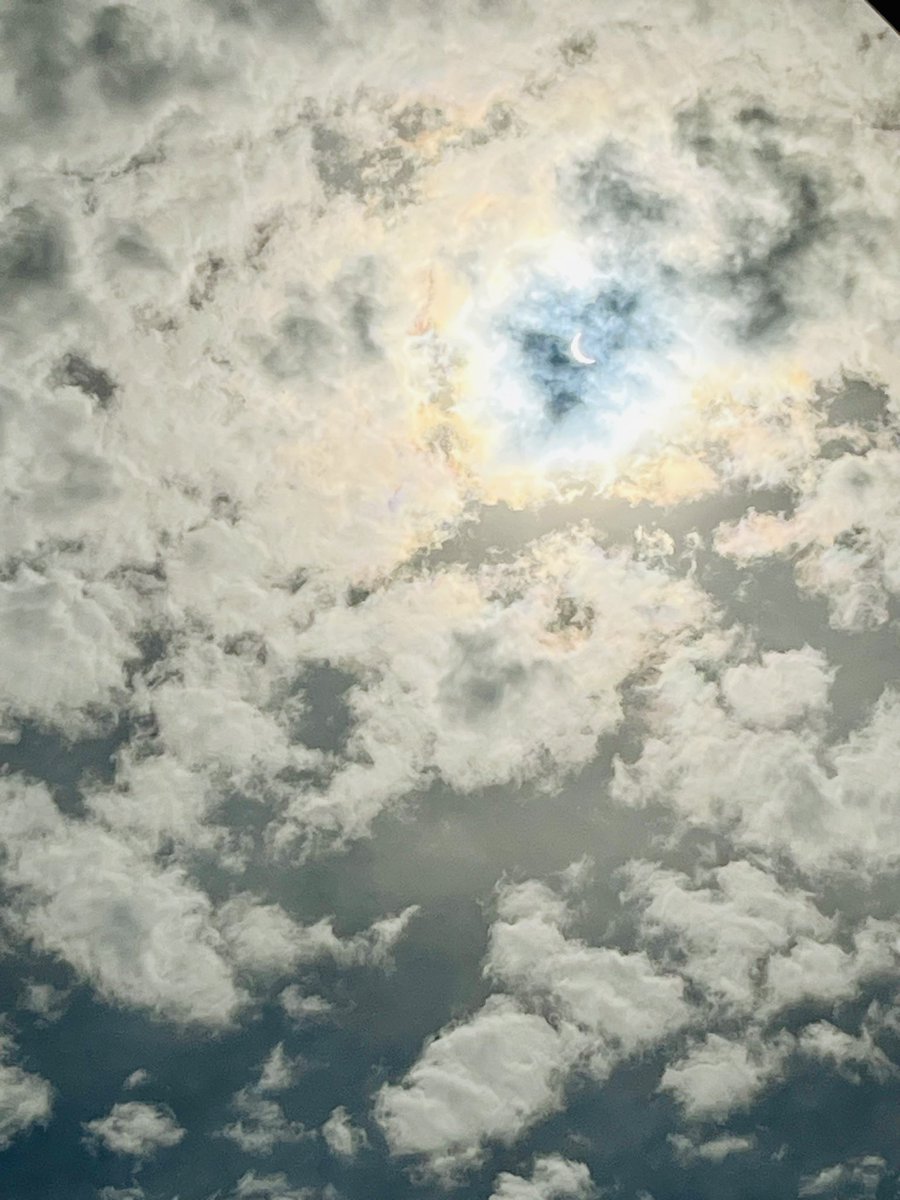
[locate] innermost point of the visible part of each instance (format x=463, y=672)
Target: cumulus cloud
x=343, y=1138
x=26, y=1099
x=140, y=935
x=749, y=943
x=714, y=1150
x=843, y=534
x=848, y=1054
x=279, y=1071
x=565, y=1006
x=63, y=648
x=302, y=1008
x=856, y=1179
x=621, y=1000
x=251, y=1186
x=490, y=676
x=146, y=936
x=488, y=1077
x=781, y=688
x=718, y=1076
x=263, y=937
x=45, y=1000
x=135, y=1129
x=783, y=790
x=552, y=1178
x=262, y=1123
x=243, y=425
x=827, y=972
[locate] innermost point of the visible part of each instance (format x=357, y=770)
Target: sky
x=449, y=600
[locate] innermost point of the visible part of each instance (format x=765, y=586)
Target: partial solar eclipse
x=577, y=353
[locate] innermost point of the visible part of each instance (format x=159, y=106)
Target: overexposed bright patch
x=523, y=393
x=578, y=354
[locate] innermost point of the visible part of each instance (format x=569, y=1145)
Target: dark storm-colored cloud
x=61, y=54
x=42, y=54
x=130, y=246
x=282, y=16
x=120, y=47
x=418, y=118
x=33, y=252
x=609, y=191
x=385, y=175
x=766, y=257
x=74, y=370
x=549, y=363
x=301, y=344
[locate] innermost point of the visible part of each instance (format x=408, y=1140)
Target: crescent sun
x=577, y=353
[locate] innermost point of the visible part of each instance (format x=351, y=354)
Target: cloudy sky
x=449, y=600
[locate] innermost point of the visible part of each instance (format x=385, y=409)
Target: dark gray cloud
x=76, y=371
x=42, y=53
x=765, y=261
x=610, y=193
x=33, y=252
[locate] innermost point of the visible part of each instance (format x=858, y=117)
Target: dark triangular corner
x=883, y=10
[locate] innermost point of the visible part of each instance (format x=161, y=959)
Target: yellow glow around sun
x=686, y=416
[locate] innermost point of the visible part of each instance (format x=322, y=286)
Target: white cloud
x=490, y=675
x=742, y=918
x=156, y=801
x=714, y=1150
x=302, y=1008
x=45, y=999
x=135, y=1129
x=552, y=1178
x=63, y=645
x=856, y=1179
x=277, y=436
x=850, y=1055
x=752, y=945
x=343, y=1138
x=781, y=790
x=717, y=1076
x=621, y=1000
x=26, y=1100
x=784, y=686
x=261, y=1123
x=488, y=1077
x=263, y=937
x=136, y=1079
x=825, y=971
x=279, y=1071
x=138, y=934
x=845, y=527
x=251, y=1186
x=59, y=476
